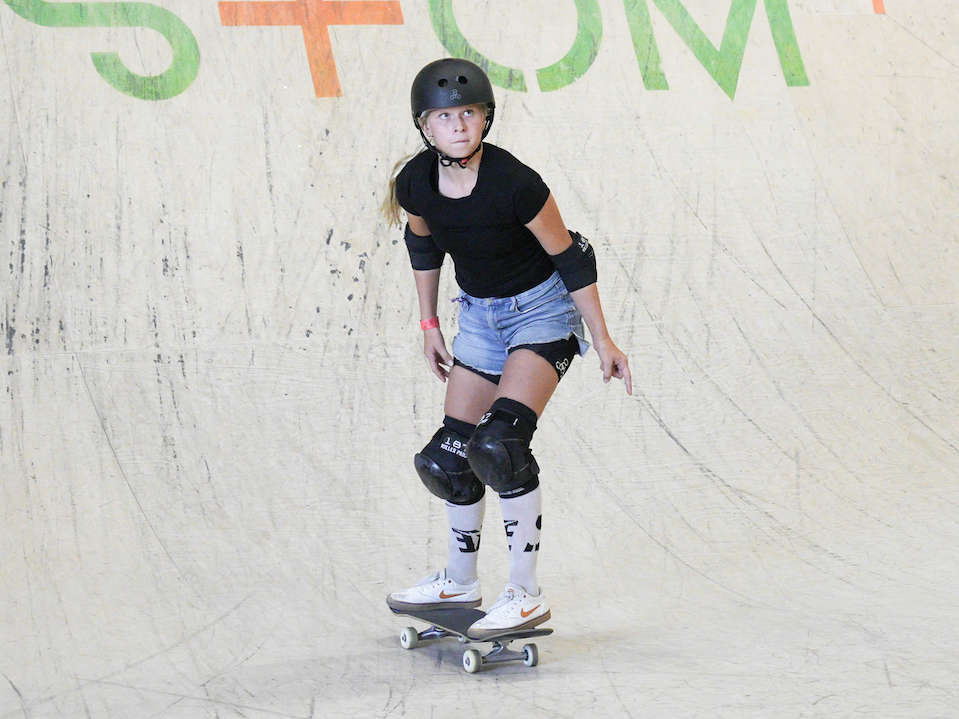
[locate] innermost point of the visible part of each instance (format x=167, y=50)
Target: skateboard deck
x=456, y=622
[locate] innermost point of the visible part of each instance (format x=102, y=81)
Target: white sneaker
x=515, y=609
x=436, y=592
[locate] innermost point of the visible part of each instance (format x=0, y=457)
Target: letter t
x=314, y=17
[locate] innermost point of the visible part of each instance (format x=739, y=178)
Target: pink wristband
x=430, y=323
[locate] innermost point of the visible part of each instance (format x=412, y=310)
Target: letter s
x=186, y=53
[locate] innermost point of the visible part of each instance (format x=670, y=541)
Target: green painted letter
x=589, y=35
x=725, y=63
x=784, y=35
x=186, y=54
x=644, y=43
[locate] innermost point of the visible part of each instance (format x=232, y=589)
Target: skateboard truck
x=454, y=623
x=473, y=659
x=500, y=653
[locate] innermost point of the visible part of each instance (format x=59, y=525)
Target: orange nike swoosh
x=526, y=614
x=444, y=595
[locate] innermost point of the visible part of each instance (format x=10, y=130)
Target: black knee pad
x=444, y=468
x=499, y=450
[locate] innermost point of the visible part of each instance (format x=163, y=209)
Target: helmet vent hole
x=443, y=82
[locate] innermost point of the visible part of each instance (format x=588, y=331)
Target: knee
x=499, y=453
x=443, y=468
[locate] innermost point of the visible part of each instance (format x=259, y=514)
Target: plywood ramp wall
x=213, y=387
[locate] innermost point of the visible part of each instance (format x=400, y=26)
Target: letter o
x=589, y=35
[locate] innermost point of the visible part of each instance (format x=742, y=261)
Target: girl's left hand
x=614, y=363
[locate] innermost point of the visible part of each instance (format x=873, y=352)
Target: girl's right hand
x=434, y=347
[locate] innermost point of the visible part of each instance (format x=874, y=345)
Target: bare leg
x=468, y=395
x=531, y=380
x=528, y=378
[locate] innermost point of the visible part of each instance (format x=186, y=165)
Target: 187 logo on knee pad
x=454, y=446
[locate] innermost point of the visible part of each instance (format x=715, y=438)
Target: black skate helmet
x=451, y=82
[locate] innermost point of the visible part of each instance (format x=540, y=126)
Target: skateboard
x=455, y=622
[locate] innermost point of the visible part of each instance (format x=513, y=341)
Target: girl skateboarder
x=527, y=285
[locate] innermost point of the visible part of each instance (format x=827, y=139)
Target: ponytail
x=391, y=206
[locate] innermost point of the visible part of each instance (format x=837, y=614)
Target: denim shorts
x=490, y=326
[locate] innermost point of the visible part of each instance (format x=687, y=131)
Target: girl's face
x=457, y=131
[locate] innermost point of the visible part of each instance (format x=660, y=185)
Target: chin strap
x=460, y=162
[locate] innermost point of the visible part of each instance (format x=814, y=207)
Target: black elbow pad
x=424, y=254
x=577, y=263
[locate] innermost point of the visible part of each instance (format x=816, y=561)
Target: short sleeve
x=530, y=195
x=403, y=194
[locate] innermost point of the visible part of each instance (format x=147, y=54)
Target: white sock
x=523, y=519
x=465, y=525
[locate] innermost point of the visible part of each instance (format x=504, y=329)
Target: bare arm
x=427, y=292
x=418, y=225
x=613, y=361
x=550, y=230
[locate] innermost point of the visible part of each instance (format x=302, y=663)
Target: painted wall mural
x=315, y=17
x=186, y=53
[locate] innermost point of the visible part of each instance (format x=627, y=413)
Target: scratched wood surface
x=212, y=385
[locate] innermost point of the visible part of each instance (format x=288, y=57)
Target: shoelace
x=505, y=598
x=434, y=577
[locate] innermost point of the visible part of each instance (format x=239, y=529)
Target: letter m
x=722, y=64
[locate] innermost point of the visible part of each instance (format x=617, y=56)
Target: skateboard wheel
x=530, y=655
x=409, y=638
x=472, y=661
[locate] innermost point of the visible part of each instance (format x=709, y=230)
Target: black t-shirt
x=493, y=252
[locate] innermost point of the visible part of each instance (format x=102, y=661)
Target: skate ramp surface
x=213, y=384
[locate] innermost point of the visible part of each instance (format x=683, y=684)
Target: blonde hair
x=391, y=205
